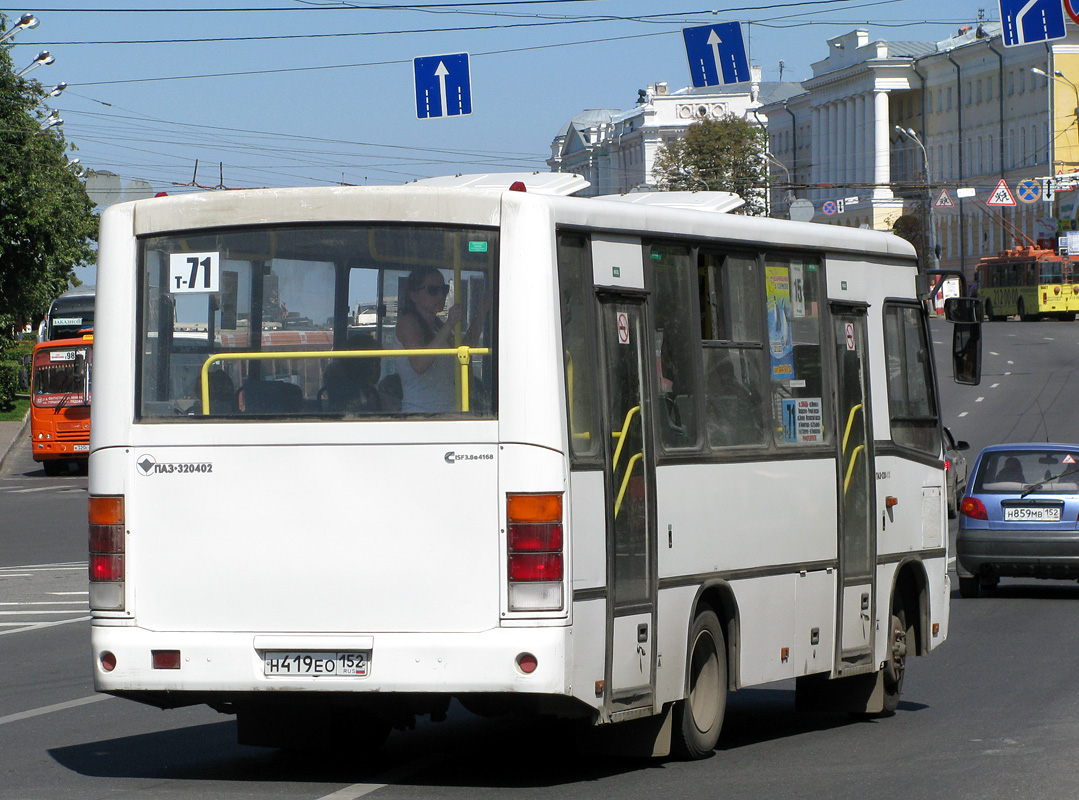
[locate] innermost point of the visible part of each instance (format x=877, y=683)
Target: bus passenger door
x=855, y=478
x=630, y=673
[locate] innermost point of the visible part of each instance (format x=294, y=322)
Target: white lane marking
x=38, y=625
x=39, y=613
x=69, y=567
x=358, y=790
x=1010, y=363
x=1048, y=339
x=994, y=386
x=37, y=712
x=62, y=594
x=979, y=400
x=963, y=413
x=21, y=603
x=995, y=353
x=35, y=489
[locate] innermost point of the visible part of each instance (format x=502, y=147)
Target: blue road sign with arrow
x=1031, y=21
x=443, y=86
x=717, y=54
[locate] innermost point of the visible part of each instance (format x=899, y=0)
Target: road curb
x=15, y=441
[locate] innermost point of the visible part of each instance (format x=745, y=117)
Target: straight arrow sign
x=443, y=86
x=716, y=54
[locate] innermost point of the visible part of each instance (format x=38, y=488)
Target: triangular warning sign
x=1067, y=460
x=943, y=201
x=1001, y=196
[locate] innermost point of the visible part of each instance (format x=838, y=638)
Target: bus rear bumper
x=224, y=664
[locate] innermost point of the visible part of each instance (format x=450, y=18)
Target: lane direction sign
x=1031, y=21
x=717, y=54
x=443, y=86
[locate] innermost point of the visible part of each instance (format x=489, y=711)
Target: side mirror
x=962, y=445
x=963, y=309
x=967, y=352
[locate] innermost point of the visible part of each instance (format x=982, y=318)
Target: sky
x=269, y=93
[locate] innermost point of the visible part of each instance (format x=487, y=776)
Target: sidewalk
x=12, y=434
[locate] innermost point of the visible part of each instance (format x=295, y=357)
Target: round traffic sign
x=829, y=207
x=1028, y=191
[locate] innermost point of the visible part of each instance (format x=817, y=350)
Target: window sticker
x=194, y=273
x=803, y=420
x=780, y=340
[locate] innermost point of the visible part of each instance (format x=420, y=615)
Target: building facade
x=615, y=150
x=972, y=114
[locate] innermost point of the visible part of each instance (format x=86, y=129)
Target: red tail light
x=534, y=544
x=947, y=465
x=106, y=517
x=973, y=507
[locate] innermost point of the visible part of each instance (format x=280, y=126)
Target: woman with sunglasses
x=427, y=382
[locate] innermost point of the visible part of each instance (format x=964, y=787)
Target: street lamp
x=57, y=90
x=1059, y=76
x=789, y=195
x=27, y=20
x=52, y=121
x=41, y=60
x=911, y=134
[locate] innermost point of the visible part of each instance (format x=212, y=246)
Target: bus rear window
x=61, y=377
x=326, y=322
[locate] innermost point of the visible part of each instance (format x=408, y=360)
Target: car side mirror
x=967, y=353
x=961, y=445
x=963, y=309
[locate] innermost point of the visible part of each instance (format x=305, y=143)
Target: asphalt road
x=994, y=713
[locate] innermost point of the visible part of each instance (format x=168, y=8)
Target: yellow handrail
x=625, y=481
x=621, y=436
x=850, y=423
x=464, y=354
x=850, y=467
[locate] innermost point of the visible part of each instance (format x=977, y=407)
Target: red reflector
x=106, y=568
x=536, y=567
x=165, y=659
x=973, y=507
x=108, y=661
x=518, y=186
x=535, y=537
x=527, y=663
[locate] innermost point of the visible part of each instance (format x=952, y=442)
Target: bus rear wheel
x=989, y=312
x=698, y=718
x=895, y=668
x=1021, y=309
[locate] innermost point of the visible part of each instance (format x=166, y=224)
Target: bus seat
x=222, y=393
x=270, y=397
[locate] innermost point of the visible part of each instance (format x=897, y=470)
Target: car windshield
x=1030, y=471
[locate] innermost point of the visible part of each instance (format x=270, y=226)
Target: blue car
x=1020, y=517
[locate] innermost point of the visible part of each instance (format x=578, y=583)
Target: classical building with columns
x=972, y=114
x=615, y=150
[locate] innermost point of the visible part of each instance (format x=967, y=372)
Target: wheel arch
x=910, y=587
x=719, y=596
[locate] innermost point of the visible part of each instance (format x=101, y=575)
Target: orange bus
x=60, y=403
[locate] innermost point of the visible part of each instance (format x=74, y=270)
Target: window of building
x=966, y=94
x=978, y=93
x=949, y=98
x=1011, y=83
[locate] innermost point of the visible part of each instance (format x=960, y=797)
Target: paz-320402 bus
x=660, y=454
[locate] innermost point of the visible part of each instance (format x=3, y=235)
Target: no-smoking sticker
x=623, y=327
x=849, y=333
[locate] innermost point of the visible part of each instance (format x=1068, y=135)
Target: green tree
x=717, y=155
x=47, y=224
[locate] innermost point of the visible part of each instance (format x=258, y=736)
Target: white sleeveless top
x=431, y=392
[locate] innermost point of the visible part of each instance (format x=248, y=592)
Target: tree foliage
x=47, y=224
x=717, y=155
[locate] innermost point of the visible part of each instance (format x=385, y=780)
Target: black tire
x=895, y=667
x=698, y=718
x=968, y=587
x=1021, y=309
x=54, y=467
x=953, y=498
x=988, y=584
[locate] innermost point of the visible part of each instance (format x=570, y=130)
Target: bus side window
x=577, y=301
x=733, y=352
x=794, y=341
x=673, y=310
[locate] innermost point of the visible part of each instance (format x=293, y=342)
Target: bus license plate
x=316, y=665
x=80, y=448
x=1032, y=514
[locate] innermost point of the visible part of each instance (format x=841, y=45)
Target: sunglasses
x=435, y=291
